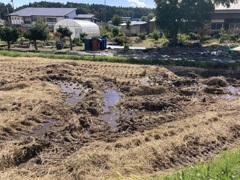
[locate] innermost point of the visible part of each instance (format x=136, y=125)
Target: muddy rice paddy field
x=62, y=119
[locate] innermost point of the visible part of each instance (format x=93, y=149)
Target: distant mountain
x=97, y=9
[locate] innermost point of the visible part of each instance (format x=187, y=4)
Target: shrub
x=83, y=36
x=193, y=36
x=77, y=41
x=142, y=36
x=183, y=39
x=119, y=40
x=156, y=35
x=115, y=31
x=107, y=35
x=225, y=37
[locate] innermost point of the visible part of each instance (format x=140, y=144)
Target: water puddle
x=74, y=92
x=232, y=90
x=41, y=130
x=233, y=94
x=228, y=97
x=111, y=98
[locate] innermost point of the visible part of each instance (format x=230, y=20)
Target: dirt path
x=90, y=120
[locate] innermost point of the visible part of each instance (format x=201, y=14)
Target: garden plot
x=64, y=119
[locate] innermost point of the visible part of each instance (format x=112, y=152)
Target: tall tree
x=38, y=32
x=175, y=15
x=5, y=10
x=128, y=26
x=9, y=35
x=65, y=32
x=116, y=20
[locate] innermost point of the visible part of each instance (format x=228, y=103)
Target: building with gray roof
x=226, y=18
x=27, y=17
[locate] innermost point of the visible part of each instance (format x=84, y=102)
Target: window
x=27, y=20
x=216, y=26
x=51, y=20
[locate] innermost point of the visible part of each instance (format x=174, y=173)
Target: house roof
x=84, y=16
x=232, y=7
x=43, y=12
x=134, y=23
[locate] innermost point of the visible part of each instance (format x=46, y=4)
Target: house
x=136, y=27
x=227, y=18
x=87, y=17
x=27, y=17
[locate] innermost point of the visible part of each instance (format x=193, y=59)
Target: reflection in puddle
x=74, y=93
x=111, y=97
x=234, y=94
x=228, y=97
x=232, y=90
x=41, y=130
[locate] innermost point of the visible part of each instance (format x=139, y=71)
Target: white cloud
x=137, y=3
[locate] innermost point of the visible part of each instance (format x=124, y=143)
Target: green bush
x=83, y=36
x=225, y=37
x=193, y=36
x=119, y=40
x=77, y=41
x=115, y=31
x=156, y=35
x=206, y=38
x=183, y=39
x=107, y=35
x=142, y=36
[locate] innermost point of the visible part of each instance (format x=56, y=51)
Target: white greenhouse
x=79, y=26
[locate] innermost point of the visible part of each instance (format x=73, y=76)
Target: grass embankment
x=164, y=62
x=225, y=167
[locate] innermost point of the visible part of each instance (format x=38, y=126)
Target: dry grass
x=217, y=81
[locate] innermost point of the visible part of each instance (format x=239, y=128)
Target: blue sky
x=125, y=3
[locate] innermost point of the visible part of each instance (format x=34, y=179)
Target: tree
x=115, y=31
x=21, y=32
x=203, y=31
x=38, y=32
x=5, y=10
x=128, y=26
x=116, y=20
x=65, y=32
x=175, y=15
x=147, y=18
x=9, y=34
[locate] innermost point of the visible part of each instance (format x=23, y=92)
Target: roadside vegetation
x=164, y=62
x=225, y=167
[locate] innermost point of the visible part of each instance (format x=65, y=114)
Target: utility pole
x=12, y=4
x=105, y=12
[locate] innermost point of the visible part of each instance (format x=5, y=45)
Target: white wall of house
x=16, y=20
x=134, y=29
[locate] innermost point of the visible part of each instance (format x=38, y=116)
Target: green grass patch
x=225, y=167
x=117, y=59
